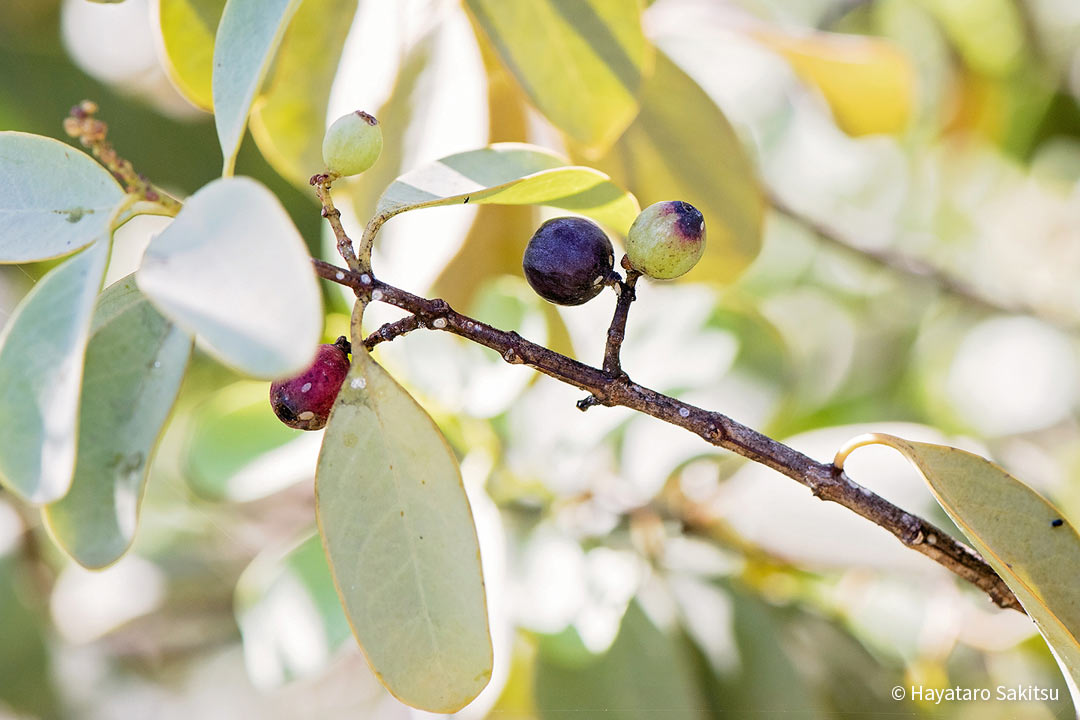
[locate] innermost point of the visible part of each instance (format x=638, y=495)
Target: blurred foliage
x=632, y=570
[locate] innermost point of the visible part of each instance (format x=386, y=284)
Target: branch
x=321, y=183
x=913, y=267
x=391, y=331
x=824, y=480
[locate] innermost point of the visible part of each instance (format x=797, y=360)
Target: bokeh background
x=918, y=274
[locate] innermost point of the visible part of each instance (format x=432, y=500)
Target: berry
x=352, y=143
x=568, y=260
x=303, y=402
x=666, y=239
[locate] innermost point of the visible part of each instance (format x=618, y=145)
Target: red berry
x=303, y=402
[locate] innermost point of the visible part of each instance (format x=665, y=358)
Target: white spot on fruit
x=306, y=415
x=305, y=388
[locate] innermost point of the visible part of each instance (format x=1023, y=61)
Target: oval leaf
x=399, y=534
x=289, y=119
x=54, y=199
x=233, y=268
x=244, y=46
x=511, y=174
x=580, y=61
x=868, y=82
x=185, y=33
x=289, y=614
x=135, y=361
x=1025, y=539
x=681, y=147
x=41, y=367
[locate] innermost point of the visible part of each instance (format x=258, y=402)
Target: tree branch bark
x=824, y=480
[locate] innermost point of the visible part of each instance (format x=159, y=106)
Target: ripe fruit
x=666, y=239
x=304, y=402
x=352, y=143
x=568, y=260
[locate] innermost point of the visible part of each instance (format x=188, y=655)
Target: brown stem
x=617, y=330
x=391, y=331
x=321, y=183
x=82, y=124
x=824, y=480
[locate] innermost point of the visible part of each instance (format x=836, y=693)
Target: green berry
x=568, y=260
x=666, y=239
x=352, y=143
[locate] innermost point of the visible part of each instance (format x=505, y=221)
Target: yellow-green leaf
x=1027, y=541
x=135, y=361
x=580, y=61
x=511, y=174
x=247, y=38
x=288, y=119
x=399, y=533
x=681, y=147
x=186, y=31
x=868, y=82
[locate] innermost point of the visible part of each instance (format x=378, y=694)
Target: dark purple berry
x=568, y=260
x=303, y=402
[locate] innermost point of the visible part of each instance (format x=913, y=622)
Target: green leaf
x=54, y=199
x=289, y=614
x=510, y=174
x=289, y=119
x=580, y=61
x=1025, y=539
x=399, y=533
x=41, y=368
x=247, y=38
x=239, y=450
x=644, y=674
x=135, y=361
x=681, y=147
x=186, y=33
x=233, y=268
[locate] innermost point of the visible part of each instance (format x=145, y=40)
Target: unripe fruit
x=666, y=239
x=568, y=260
x=304, y=402
x=352, y=143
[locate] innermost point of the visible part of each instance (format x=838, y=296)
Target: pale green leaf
x=247, y=38
x=1027, y=541
x=399, y=533
x=41, y=367
x=511, y=174
x=681, y=147
x=239, y=450
x=135, y=361
x=289, y=118
x=289, y=614
x=642, y=675
x=580, y=61
x=185, y=32
x=54, y=199
x=233, y=269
